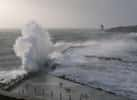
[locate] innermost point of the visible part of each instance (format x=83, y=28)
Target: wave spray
x=33, y=47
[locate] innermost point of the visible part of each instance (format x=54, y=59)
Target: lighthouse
x=102, y=27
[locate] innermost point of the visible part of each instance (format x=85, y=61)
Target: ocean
x=105, y=60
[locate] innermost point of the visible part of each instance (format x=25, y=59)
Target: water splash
x=33, y=47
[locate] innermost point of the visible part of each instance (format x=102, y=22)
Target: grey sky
x=68, y=13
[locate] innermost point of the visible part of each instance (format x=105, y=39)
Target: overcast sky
x=68, y=13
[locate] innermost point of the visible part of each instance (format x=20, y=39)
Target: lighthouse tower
x=102, y=27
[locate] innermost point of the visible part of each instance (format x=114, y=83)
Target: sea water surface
x=98, y=59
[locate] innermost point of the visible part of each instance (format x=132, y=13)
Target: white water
x=33, y=47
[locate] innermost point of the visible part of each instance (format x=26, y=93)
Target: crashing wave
x=36, y=49
x=33, y=47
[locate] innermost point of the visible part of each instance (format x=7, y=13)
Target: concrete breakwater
x=47, y=87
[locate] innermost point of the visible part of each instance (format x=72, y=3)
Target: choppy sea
x=100, y=59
